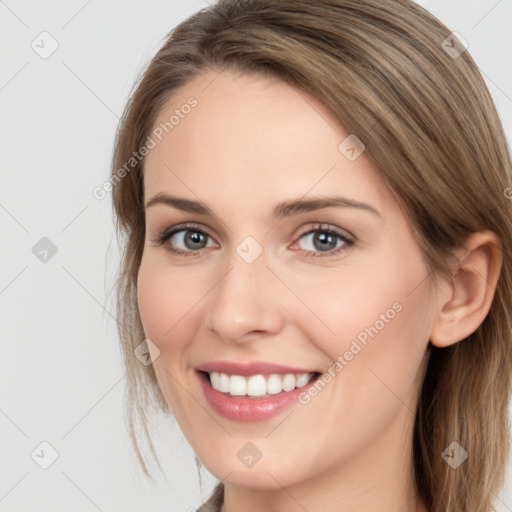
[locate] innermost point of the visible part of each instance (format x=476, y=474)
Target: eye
x=184, y=240
x=322, y=241
x=325, y=239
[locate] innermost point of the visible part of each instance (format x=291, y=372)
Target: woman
x=317, y=257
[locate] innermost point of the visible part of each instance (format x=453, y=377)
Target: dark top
x=214, y=502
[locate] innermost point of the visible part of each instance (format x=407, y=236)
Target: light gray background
x=61, y=376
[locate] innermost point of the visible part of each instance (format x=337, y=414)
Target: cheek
x=394, y=324
x=376, y=319
x=166, y=309
x=163, y=299
x=349, y=301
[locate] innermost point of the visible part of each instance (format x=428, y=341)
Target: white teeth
x=274, y=384
x=303, y=379
x=289, y=382
x=258, y=385
x=215, y=380
x=223, y=383
x=237, y=385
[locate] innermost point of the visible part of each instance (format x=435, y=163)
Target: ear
x=466, y=300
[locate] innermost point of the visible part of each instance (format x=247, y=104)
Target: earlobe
x=466, y=300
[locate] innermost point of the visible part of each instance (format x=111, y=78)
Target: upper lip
x=251, y=368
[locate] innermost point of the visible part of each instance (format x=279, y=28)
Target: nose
x=244, y=303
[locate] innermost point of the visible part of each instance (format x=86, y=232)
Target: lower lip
x=256, y=409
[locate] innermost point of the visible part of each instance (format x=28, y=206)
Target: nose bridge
x=243, y=300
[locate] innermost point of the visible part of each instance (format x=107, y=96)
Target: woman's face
x=257, y=281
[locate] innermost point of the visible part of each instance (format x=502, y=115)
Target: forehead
x=256, y=139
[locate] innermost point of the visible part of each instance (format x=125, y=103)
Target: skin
x=250, y=143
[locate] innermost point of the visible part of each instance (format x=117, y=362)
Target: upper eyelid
x=184, y=227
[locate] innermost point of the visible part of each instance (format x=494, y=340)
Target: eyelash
x=163, y=237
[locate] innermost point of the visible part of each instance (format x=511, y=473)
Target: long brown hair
x=397, y=78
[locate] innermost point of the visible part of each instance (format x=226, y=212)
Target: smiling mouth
x=259, y=385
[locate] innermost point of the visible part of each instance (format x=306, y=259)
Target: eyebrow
x=283, y=209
